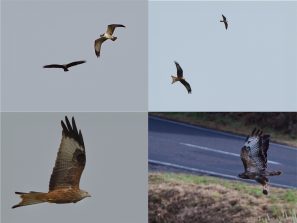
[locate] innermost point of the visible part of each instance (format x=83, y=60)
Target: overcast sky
x=250, y=67
x=38, y=33
x=115, y=174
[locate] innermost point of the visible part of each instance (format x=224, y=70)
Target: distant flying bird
x=64, y=66
x=254, y=159
x=225, y=21
x=105, y=36
x=70, y=163
x=180, y=78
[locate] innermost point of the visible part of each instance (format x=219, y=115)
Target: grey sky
x=115, y=173
x=250, y=67
x=38, y=33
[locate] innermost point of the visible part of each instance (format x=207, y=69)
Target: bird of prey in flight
x=105, y=36
x=254, y=158
x=180, y=78
x=224, y=21
x=64, y=181
x=64, y=66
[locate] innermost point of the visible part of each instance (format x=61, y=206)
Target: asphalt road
x=185, y=147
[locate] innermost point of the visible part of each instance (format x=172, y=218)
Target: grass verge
x=191, y=198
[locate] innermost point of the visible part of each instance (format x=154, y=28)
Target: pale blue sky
x=250, y=67
x=38, y=33
x=115, y=173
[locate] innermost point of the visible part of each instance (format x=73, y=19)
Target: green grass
x=284, y=195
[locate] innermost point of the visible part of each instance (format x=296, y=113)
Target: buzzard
x=64, y=66
x=254, y=158
x=224, y=21
x=105, y=36
x=180, y=78
x=70, y=163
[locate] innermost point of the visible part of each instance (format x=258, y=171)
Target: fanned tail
x=30, y=198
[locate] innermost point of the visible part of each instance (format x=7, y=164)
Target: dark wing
x=75, y=63
x=187, y=85
x=71, y=158
x=244, y=155
x=224, y=18
x=97, y=45
x=54, y=66
x=111, y=28
x=254, y=152
x=179, y=69
x=226, y=25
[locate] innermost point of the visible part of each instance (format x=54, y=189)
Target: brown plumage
x=105, y=36
x=180, y=78
x=64, y=181
x=225, y=22
x=254, y=158
x=65, y=66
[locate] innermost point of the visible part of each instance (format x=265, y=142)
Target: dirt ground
x=177, y=202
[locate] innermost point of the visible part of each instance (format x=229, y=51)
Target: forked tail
x=30, y=198
x=174, y=79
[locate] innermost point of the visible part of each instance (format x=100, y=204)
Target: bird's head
x=84, y=194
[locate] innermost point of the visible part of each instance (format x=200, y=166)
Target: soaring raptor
x=180, y=78
x=65, y=66
x=254, y=159
x=105, y=36
x=70, y=163
x=224, y=21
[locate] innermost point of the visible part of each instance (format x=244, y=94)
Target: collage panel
x=241, y=166
x=222, y=56
x=101, y=44
x=115, y=173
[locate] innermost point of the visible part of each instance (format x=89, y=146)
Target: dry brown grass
x=177, y=199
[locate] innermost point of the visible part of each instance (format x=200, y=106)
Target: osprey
x=254, y=158
x=180, y=78
x=105, y=36
x=64, y=66
x=224, y=21
x=70, y=163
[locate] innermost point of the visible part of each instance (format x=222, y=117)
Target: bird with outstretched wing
x=180, y=77
x=65, y=178
x=254, y=158
x=65, y=66
x=225, y=22
x=105, y=36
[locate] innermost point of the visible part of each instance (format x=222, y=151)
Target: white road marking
x=210, y=172
x=220, y=151
x=214, y=131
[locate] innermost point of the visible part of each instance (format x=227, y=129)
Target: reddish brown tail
x=30, y=198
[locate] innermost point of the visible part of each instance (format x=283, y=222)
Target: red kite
x=105, y=36
x=64, y=66
x=70, y=163
x=180, y=78
x=254, y=159
x=224, y=21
